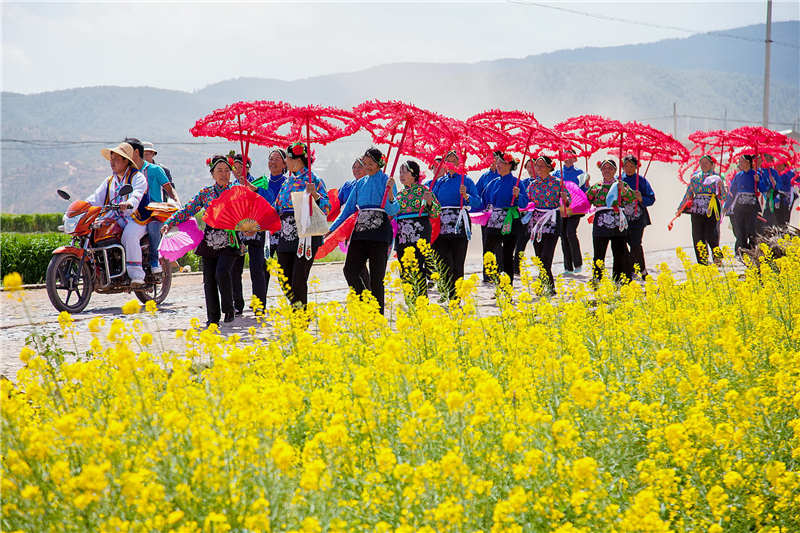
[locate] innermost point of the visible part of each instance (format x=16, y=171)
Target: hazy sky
x=186, y=46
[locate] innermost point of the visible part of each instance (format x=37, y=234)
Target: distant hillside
x=705, y=75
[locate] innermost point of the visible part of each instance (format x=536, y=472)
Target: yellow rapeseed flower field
x=667, y=406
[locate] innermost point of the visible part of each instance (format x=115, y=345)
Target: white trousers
x=131, y=235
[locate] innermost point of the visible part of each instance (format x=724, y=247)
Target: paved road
x=186, y=301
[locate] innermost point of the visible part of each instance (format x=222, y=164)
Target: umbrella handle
x=435, y=175
x=681, y=209
x=439, y=167
x=399, y=147
x=463, y=175
x=522, y=165
x=586, y=160
x=461, y=196
x=391, y=140
x=241, y=144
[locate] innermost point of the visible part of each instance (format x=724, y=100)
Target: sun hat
x=122, y=149
x=149, y=147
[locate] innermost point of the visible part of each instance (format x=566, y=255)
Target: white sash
x=550, y=216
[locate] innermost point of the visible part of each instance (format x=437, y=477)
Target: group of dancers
x=535, y=208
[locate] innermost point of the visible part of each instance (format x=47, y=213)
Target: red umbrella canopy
x=647, y=142
x=705, y=143
x=591, y=131
x=312, y=124
x=411, y=130
x=520, y=131
x=239, y=122
x=754, y=140
x=473, y=146
x=504, y=128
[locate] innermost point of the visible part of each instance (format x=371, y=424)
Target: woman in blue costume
x=294, y=261
x=504, y=198
x=458, y=196
x=637, y=214
x=374, y=198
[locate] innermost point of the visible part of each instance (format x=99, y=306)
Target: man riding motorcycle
x=133, y=219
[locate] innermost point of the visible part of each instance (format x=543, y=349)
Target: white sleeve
x=99, y=195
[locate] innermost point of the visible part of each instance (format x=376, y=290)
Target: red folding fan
x=241, y=209
x=336, y=205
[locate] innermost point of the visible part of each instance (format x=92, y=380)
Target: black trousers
x=218, y=286
x=545, y=250
x=359, y=254
x=570, y=246
x=296, y=269
x=635, y=234
x=744, y=222
x=523, y=237
x=503, y=248
x=783, y=214
x=258, y=274
x=483, y=251
x=704, y=230
x=779, y=217
x=407, y=276
x=453, y=253
x=619, y=250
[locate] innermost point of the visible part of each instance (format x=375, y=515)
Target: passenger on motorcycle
x=124, y=171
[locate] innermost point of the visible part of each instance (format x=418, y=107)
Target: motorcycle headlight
x=70, y=223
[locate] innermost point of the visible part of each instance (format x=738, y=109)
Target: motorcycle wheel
x=66, y=278
x=157, y=291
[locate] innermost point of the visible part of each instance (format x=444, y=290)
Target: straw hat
x=149, y=147
x=122, y=149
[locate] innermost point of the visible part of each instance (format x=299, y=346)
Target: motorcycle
x=95, y=259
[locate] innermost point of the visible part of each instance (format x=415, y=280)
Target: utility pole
x=767, y=43
x=725, y=118
x=675, y=119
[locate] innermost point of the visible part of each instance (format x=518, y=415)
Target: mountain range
x=53, y=139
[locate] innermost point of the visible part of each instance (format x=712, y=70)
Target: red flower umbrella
x=313, y=123
x=588, y=131
x=523, y=133
x=408, y=128
x=707, y=143
x=422, y=133
x=647, y=142
x=239, y=122
x=753, y=140
x=469, y=143
x=473, y=145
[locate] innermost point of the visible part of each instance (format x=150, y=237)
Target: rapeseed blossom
x=663, y=406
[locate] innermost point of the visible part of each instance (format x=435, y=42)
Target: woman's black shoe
x=229, y=317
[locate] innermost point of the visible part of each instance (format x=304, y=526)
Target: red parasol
x=713, y=143
x=470, y=143
x=411, y=130
x=523, y=133
x=647, y=142
x=514, y=129
x=474, y=147
x=313, y=123
x=239, y=122
x=754, y=140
